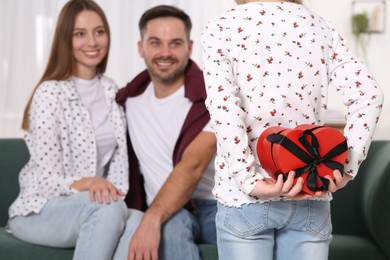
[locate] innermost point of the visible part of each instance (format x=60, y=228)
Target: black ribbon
x=311, y=159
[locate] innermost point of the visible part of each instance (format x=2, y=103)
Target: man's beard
x=171, y=78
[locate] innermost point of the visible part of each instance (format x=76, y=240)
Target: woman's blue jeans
x=74, y=221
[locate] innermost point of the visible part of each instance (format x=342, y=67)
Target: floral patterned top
x=62, y=145
x=270, y=64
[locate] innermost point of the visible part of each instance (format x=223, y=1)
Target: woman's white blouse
x=62, y=145
x=270, y=64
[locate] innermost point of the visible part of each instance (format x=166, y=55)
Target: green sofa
x=360, y=212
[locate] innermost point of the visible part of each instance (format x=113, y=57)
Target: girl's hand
x=269, y=188
x=339, y=181
x=99, y=189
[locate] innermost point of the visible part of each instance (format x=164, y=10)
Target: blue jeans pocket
x=248, y=220
x=319, y=220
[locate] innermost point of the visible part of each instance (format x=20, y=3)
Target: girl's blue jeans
x=293, y=230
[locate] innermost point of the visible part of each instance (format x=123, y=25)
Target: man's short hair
x=164, y=11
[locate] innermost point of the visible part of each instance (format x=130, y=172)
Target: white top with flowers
x=270, y=64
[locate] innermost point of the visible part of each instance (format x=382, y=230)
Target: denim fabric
x=277, y=230
x=135, y=217
x=185, y=229
x=74, y=221
x=180, y=233
x=205, y=212
x=178, y=238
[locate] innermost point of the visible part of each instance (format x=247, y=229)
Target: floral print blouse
x=62, y=145
x=270, y=64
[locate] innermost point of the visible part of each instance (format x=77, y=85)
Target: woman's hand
x=99, y=189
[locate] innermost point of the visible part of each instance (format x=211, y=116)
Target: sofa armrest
x=376, y=198
x=13, y=156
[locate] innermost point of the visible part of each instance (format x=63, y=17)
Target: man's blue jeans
x=180, y=234
x=185, y=229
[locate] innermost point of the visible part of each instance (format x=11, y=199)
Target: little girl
x=270, y=63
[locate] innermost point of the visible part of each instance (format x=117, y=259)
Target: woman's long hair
x=296, y=1
x=61, y=62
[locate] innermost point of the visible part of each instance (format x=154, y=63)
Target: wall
x=339, y=13
x=24, y=46
x=27, y=27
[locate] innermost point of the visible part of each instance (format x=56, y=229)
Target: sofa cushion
x=13, y=156
x=12, y=248
x=354, y=248
x=208, y=251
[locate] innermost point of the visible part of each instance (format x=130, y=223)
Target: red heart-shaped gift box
x=311, y=151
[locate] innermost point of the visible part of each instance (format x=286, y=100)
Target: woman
x=71, y=189
x=270, y=63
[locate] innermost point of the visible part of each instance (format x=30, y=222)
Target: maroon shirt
x=197, y=118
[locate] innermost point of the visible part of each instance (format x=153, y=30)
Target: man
x=172, y=140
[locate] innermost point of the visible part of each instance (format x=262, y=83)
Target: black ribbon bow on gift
x=312, y=159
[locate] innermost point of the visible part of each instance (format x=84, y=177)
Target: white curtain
x=26, y=31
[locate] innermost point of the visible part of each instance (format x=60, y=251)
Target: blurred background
x=27, y=27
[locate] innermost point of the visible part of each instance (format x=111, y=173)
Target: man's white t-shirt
x=154, y=126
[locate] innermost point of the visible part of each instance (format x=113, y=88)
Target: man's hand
x=173, y=195
x=146, y=239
